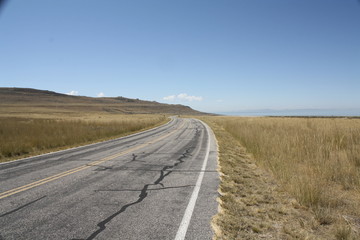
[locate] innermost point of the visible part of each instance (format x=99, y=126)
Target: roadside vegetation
x=315, y=161
x=24, y=136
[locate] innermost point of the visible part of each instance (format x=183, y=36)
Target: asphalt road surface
x=158, y=184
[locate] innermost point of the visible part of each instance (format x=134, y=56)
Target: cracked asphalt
x=136, y=187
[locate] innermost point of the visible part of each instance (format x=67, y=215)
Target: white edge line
x=181, y=233
x=87, y=145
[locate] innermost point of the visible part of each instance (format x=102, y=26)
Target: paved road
x=159, y=184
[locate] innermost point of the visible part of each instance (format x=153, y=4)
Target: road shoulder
x=251, y=204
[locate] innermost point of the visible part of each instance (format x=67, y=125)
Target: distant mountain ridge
x=22, y=97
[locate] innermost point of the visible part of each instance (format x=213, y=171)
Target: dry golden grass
x=317, y=161
x=22, y=136
x=36, y=121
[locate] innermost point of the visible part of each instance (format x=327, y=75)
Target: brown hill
x=32, y=100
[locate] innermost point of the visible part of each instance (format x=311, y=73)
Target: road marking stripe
x=91, y=144
x=42, y=182
x=18, y=188
x=181, y=233
x=83, y=167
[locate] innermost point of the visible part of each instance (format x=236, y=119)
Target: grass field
x=307, y=186
x=37, y=121
x=315, y=160
x=22, y=136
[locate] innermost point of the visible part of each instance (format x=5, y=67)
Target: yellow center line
x=81, y=168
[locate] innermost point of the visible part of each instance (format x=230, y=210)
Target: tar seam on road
x=143, y=194
x=74, y=170
x=181, y=233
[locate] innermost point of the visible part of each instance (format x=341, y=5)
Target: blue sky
x=215, y=56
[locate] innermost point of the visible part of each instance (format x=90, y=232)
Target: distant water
x=298, y=112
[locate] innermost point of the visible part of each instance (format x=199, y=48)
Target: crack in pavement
x=134, y=169
x=164, y=172
x=139, y=190
x=102, y=168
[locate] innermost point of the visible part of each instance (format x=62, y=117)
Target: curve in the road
x=57, y=196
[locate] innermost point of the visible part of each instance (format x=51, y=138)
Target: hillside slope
x=33, y=100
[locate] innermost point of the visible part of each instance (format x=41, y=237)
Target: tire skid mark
x=21, y=207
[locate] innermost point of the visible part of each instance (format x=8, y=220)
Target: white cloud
x=73, y=93
x=182, y=97
x=101, y=94
x=170, y=98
